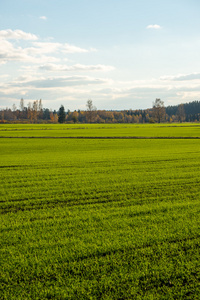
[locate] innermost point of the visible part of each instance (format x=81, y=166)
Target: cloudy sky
x=121, y=54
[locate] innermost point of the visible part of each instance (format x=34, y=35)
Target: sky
x=121, y=54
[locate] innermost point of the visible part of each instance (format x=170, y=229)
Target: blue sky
x=121, y=54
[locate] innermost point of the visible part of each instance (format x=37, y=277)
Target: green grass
x=100, y=219
x=100, y=130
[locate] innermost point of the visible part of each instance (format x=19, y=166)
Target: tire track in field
x=103, y=137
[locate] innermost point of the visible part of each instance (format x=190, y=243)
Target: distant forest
x=35, y=113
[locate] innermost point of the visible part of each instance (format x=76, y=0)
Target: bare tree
x=91, y=111
x=159, y=110
x=181, y=113
x=14, y=111
x=30, y=112
x=35, y=110
x=40, y=109
x=21, y=105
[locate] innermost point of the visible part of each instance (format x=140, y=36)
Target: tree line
x=35, y=113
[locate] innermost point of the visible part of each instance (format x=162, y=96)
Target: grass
x=100, y=130
x=100, y=219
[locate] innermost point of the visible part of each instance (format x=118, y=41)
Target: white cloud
x=43, y=48
x=38, y=52
x=69, y=89
x=67, y=48
x=8, y=52
x=105, y=93
x=17, y=35
x=64, y=81
x=43, y=18
x=155, y=26
x=76, y=67
x=32, y=55
x=188, y=95
x=182, y=77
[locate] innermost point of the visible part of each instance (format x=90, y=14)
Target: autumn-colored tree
x=75, y=116
x=82, y=116
x=109, y=116
x=53, y=117
x=120, y=117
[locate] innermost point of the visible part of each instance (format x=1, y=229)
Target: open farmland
x=100, y=130
x=100, y=218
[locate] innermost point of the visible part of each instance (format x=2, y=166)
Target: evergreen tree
x=61, y=114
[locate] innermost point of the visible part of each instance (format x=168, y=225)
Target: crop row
x=107, y=219
x=100, y=130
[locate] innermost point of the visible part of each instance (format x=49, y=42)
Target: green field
x=100, y=218
x=100, y=130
